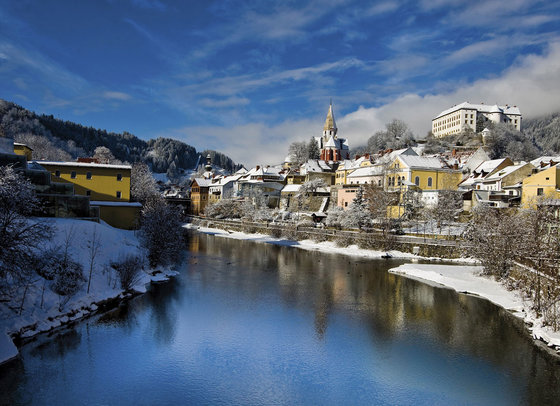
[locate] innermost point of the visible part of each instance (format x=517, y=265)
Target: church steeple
x=329, y=129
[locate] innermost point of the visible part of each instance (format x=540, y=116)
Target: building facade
x=464, y=117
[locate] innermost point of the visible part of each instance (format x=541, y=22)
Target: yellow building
x=22, y=149
x=425, y=175
x=98, y=181
x=107, y=186
x=541, y=185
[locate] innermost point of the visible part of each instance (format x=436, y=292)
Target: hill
x=52, y=138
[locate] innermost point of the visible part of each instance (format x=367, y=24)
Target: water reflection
x=249, y=323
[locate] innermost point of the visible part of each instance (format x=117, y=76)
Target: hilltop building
x=464, y=116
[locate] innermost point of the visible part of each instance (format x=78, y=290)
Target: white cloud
x=532, y=84
x=112, y=95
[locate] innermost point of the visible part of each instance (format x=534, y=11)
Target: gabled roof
x=202, y=182
x=502, y=173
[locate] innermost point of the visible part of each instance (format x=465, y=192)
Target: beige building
x=464, y=116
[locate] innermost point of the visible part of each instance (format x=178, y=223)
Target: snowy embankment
x=468, y=280
x=326, y=246
x=42, y=310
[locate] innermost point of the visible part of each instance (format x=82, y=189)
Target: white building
x=464, y=116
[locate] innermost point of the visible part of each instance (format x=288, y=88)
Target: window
x=57, y=174
x=417, y=181
x=88, y=175
x=88, y=192
x=73, y=175
x=118, y=194
x=540, y=191
x=119, y=177
x=429, y=182
x=379, y=182
x=345, y=204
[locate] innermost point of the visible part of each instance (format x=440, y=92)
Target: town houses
x=499, y=183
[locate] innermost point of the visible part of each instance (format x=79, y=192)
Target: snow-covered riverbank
x=42, y=310
x=468, y=280
x=462, y=278
x=326, y=246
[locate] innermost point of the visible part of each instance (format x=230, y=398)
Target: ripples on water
x=248, y=323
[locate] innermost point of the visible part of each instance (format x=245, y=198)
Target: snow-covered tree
x=493, y=237
x=299, y=152
x=20, y=235
x=358, y=214
x=306, y=191
x=105, y=156
x=335, y=217
x=42, y=147
x=313, y=151
x=142, y=183
x=161, y=233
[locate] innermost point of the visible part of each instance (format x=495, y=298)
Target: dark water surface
x=257, y=324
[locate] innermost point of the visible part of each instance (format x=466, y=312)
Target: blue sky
x=250, y=77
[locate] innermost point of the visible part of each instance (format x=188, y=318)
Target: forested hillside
x=52, y=138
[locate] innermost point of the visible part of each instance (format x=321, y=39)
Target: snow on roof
x=373, y=170
x=544, y=161
x=330, y=143
x=398, y=152
x=505, y=172
x=203, y=182
x=489, y=166
x=115, y=204
x=316, y=165
x=483, y=108
x=421, y=162
x=291, y=188
x=83, y=164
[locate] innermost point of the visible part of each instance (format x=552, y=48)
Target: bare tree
x=94, y=245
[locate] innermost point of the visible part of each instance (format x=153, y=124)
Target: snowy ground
x=462, y=278
x=468, y=279
x=42, y=310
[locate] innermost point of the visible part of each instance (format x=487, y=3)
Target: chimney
x=367, y=156
x=258, y=167
x=455, y=166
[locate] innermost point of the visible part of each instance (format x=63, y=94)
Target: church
x=333, y=148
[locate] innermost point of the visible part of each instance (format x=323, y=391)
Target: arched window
x=429, y=182
x=379, y=182
x=417, y=181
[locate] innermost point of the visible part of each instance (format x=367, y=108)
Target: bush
x=343, y=241
x=68, y=277
x=275, y=232
x=128, y=271
x=290, y=233
x=320, y=236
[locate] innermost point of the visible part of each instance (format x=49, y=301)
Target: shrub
x=128, y=270
x=68, y=277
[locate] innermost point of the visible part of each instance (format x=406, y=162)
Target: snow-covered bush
x=224, y=209
x=275, y=232
x=68, y=278
x=335, y=217
x=128, y=270
x=343, y=241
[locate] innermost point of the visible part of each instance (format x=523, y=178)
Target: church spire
x=330, y=124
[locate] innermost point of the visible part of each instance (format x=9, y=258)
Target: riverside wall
x=423, y=246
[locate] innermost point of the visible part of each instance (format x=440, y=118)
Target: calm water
x=257, y=324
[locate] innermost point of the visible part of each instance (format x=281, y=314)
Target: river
x=258, y=324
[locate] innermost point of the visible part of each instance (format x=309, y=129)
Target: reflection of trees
x=390, y=305
x=164, y=313
x=58, y=346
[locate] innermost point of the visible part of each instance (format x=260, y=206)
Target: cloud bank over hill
x=532, y=83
